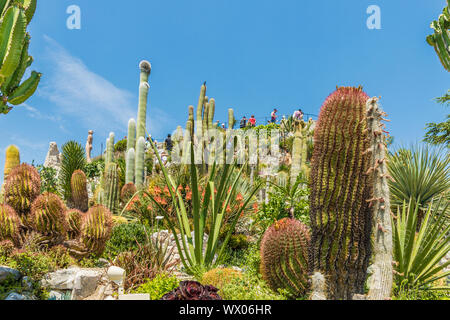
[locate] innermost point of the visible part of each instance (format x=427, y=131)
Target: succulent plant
x=48, y=217
x=284, y=256
x=128, y=190
x=111, y=188
x=192, y=290
x=130, y=166
x=73, y=218
x=79, y=191
x=12, y=160
x=144, y=87
x=218, y=277
x=96, y=229
x=110, y=149
x=9, y=224
x=341, y=189
x=131, y=137
x=140, y=162
x=22, y=187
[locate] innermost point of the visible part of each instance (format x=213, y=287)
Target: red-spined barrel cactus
x=96, y=229
x=80, y=196
x=128, y=190
x=73, y=218
x=22, y=187
x=284, y=256
x=9, y=224
x=48, y=217
x=340, y=194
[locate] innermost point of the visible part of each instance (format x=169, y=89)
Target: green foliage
x=417, y=294
x=72, y=158
x=158, y=286
x=124, y=237
x=238, y=242
x=121, y=145
x=218, y=277
x=95, y=168
x=439, y=133
x=49, y=179
x=420, y=172
x=440, y=40
x=418, y=255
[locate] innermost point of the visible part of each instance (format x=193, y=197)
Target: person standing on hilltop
x=243, y=122
x=252, y=121
x=273, y=116
x=298, y=115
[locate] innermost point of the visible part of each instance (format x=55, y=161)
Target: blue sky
x=254, y=55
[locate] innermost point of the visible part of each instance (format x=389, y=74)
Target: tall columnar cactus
x=284, y=256
x=380, y=284
x=96, y=229
x=440, y=40
x=14, y=58
x=111, y=188
x=131, y=137
x=200, y=106
x=130, y=166
x=140, y=158
x=144, y=87
x=110, y=148
x=48, y=218
x=211, y=111
x=12, y=160
x=79, y=190
x=9, y=224
x=298, y=154
x=73, y=219
x=22, y=187
x=231, y=119
x=341, y=217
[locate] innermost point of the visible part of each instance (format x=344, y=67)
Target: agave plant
x=420, y=172
x=72, y=159
x=418, y=254
x=207, y=208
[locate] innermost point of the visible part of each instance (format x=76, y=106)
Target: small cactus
x=284, y=256
x=96, y=229
x=128, y=190
x=9, y=224
x=48, y=217
x=73, y=218
x=79, y=190
x=22, y=187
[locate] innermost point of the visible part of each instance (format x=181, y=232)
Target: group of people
x=298, y=115
x=250, y=122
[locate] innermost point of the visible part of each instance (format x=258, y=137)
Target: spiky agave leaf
x=72, y=159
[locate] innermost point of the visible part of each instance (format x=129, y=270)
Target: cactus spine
x=111, y=190
x=22, y=187
x=79, y=190
x=96, y=228
x=144, y=87
x=340, y=190
x=284, y=256
x=9, y=224
x=140, y=158
x=12, y=160
x=131, y=137
x=47, y=216
x=380, y=283
x=130, y=166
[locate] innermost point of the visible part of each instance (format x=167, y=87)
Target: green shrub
x=95, y=168
x=49, y=179
x=238, y=241
x=158, y=286
x=218, y=277
x=124, y=238
x=249, y=287
x=121, y=146
x=32, y=264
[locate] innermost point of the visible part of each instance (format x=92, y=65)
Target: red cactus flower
x=255, y=207
x=228, y=210
x=166, y=191
x=239, y=197
x=189, y=195
x=157, y=190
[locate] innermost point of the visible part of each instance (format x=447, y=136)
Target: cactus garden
x=321, y=204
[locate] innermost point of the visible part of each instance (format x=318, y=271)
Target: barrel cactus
x=12, y=159
x=48, y=217
x=9, y=224
x=340, y=194
x=73, y=218
x=128, y=190
x=284, y=256
x=79, y=190
x=96, y=229
x=22, y=187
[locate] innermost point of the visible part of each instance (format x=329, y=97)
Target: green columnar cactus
x=380, y=284
x=128, y=190
x=231, y=119
x=140, y=158
x=110, y=149
x=12, y=160
x=339, y=172
x=200, y=106
x=22, y=187
x=130, y=166
x=131, y=137
x=9, y=224
x=298, y=148
x=79, y=190
x=440, y=40
x=340, y=190
x=111, y=188
x=96, y=229
x=48, y=218
x=144, y=87
x=284, y=256
x=211, y=109
x=14, y=58
x=73, y=219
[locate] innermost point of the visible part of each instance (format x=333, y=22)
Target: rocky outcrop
x=53, y=158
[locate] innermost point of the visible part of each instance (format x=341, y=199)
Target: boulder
x=53, y=158
x=9, y=273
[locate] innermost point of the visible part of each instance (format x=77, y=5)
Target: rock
x=85, y=283
x=27, y=284
x=60, y=295
x=103, y=262
x=9, y=273
x=60, y=279
x=16, y=296
x=53, y=158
